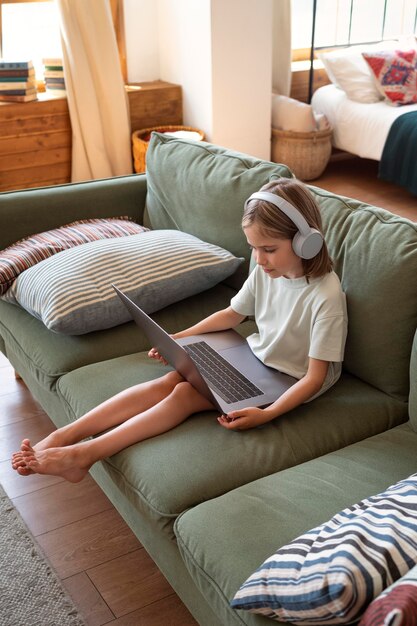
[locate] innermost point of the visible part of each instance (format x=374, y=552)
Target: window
x=29, y=29
x=348, y=22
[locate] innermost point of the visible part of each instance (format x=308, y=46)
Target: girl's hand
x=244, y=419
x=154, y=354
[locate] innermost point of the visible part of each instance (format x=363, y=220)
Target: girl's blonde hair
x=274, y=223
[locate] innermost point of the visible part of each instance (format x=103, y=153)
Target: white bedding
x=357, y=128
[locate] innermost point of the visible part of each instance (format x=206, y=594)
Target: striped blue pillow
x=330, y=574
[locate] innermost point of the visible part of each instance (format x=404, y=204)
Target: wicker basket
x=306, y=154
x=140, y=141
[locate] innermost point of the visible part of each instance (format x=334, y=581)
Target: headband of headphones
x=307, y=242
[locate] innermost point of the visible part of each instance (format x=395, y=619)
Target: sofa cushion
x=49, y=355
x=413, y=384
x=208, y=460
x=396, y=606
x=200, y=189
x=332, y=572
x=375, y=255
x=254, y=520
x=28, y=252
x=72, y=292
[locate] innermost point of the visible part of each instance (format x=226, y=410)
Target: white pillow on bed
x=348, y=70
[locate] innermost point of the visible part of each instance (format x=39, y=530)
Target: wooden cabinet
x=35, y=143
x=35, y=137
x=154, y=104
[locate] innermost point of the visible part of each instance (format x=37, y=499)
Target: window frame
x=304, y=54
x=117, y=11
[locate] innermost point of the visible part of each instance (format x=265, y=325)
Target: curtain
x=281, y=47
x=97, y=99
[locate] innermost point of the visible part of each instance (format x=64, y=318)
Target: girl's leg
x=110, y=413
x=117, y=409
x=73, y=462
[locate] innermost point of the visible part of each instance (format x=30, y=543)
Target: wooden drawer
x=36, y=138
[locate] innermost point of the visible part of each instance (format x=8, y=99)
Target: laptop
x=220, y=365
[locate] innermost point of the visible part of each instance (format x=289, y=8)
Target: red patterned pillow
x=27, y=252
x=395, y=74
x=396, y=606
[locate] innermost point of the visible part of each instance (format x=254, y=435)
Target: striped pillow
x=396, y=606
x=71, y=292
x=330, y=574
x=25, y=253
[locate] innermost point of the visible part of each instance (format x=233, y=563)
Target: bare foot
x=18, y=462
x=67, y=462
x=56, y=439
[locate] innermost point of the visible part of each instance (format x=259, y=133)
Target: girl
x=300, y=312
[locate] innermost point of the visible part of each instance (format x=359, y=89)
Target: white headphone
x=308, y=241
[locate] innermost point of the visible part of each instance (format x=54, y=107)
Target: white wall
x=242, y=75
x=220, y=52
x=185, y=56
x=142, y=46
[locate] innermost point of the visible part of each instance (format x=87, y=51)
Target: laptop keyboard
x=226, y=380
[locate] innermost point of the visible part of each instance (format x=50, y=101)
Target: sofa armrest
x=413, y=385
x=30, y=211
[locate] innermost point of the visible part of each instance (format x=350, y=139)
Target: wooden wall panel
x=37, y=176
x=35, y=142
x=36, y=138
x=300, y=80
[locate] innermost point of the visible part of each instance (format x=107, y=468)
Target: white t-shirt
x=296, y=320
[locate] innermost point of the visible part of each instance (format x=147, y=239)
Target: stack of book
x=17, y=81
x=54, y=76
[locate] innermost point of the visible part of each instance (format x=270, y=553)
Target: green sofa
x=210, y=505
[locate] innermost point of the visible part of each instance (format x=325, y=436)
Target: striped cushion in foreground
x=330, y=574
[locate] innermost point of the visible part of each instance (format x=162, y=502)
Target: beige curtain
x=96, y=95
x=281, y=47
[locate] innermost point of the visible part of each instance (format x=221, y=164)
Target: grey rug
x=31, y=594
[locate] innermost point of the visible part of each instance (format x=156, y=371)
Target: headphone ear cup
x=307, y=246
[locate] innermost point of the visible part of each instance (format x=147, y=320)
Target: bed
x=359, y=128
x=371, y=105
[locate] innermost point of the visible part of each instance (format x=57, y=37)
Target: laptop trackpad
x=245, y=361
x=250, y=366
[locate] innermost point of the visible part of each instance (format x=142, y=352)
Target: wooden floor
x=101, y=563
x=358, y=178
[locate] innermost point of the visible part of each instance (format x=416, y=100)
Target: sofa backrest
x=375, y=254
x=201, y=189
x=413, y=385
x=30, y=211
